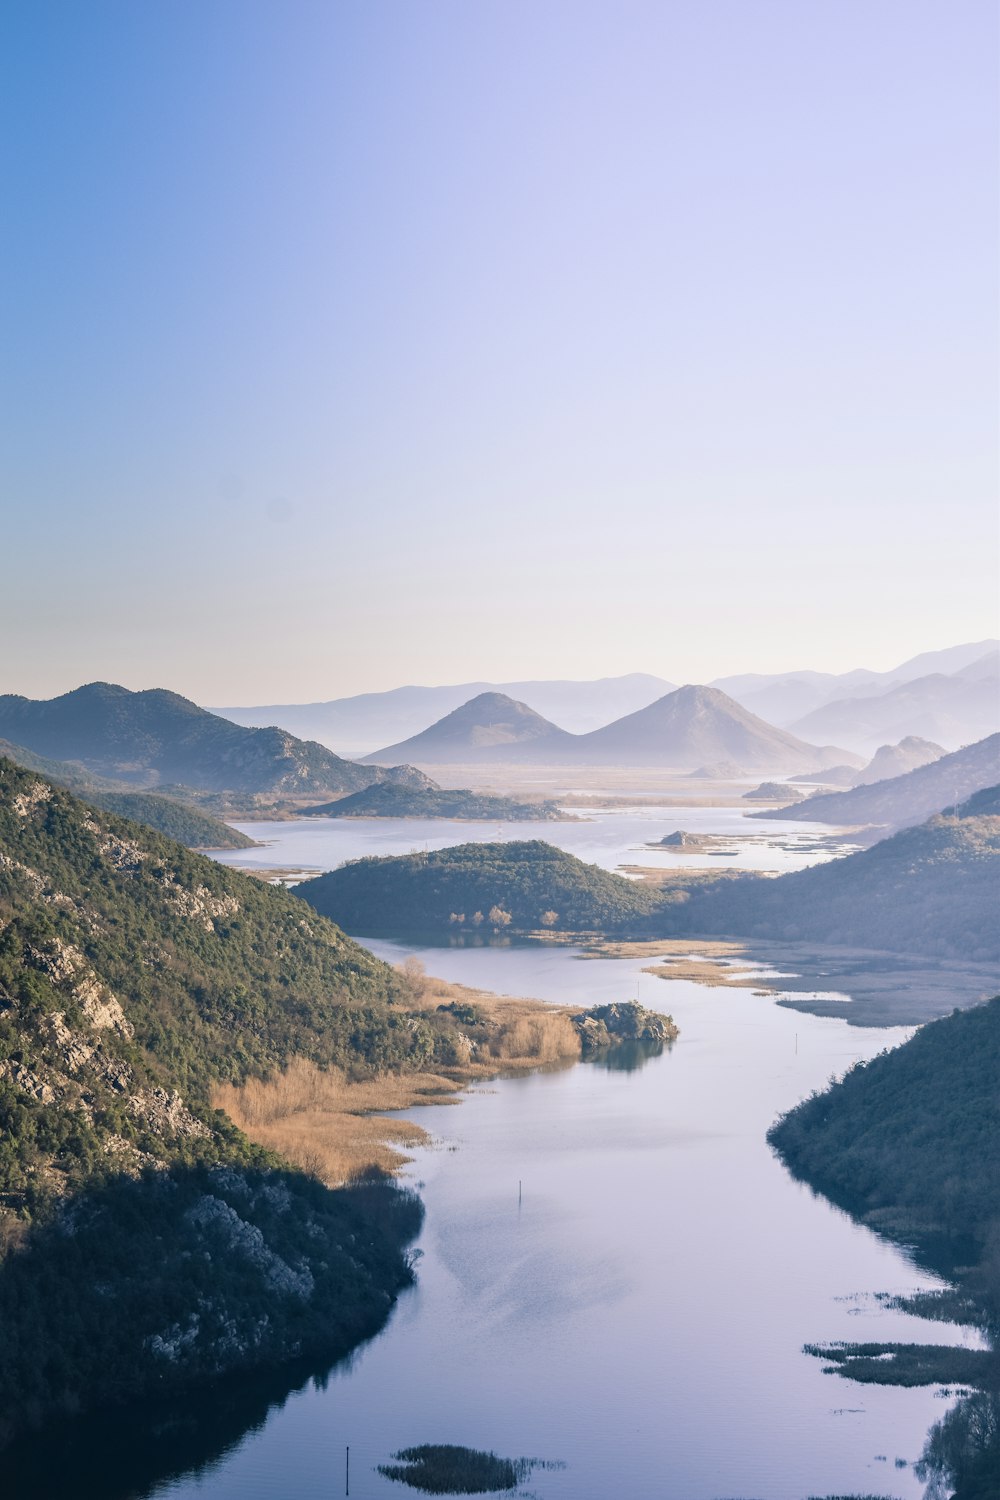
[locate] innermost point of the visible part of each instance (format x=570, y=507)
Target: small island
x=626, y=1021
x=774, y=791
x=682, y=842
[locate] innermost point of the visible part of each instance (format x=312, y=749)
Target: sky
x=364, y=342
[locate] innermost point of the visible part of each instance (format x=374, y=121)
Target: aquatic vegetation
x=446, y=1469
x=907, y=1364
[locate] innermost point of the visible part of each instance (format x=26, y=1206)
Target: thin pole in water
x=519, y=1192
x=347, y=1472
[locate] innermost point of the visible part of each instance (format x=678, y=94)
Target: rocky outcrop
x=622, y=1021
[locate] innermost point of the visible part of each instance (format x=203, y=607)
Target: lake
x=608, y=837
x=640, y=1312
x=615, y=1272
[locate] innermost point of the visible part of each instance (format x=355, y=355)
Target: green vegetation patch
x=143, y=1287
x=194, y=829
x=445, y=1469
x=908, y=1364
x=390, y=800
x=522, y=886
x=910, y=1143
x=168, y=815
x=145, y=1243
x=913, y=1138
x=930, y=889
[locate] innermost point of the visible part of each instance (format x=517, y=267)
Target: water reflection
x=122, y=1453
x=962, y=1455
x=627, y=1057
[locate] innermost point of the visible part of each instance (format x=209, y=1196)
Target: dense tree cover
x=518, y=887
x=931, y=890
x=134, y=975
x=394, y=801
x=142, y=1287
x=158, y=738
x=220, y=974
x=912, y=1138
x=172, y=816
x=189, y=826
x=910, y=1142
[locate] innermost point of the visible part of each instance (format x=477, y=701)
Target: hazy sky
x=353, y=344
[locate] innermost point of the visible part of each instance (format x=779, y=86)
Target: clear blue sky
x=349, y=344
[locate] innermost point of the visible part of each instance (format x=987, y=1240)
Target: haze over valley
x=500, y=751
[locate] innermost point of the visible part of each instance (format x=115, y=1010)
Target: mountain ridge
x=946, y=709
x=353, y=725
x=156, y=738
x=691, y=725
x=134, y=977
x=907, y=799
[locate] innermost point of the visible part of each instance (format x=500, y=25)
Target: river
x=615, y=1272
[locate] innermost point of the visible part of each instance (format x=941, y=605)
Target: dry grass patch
x=712, y=972
x=327, y=1124
x=337, y=1127
x=709, y=963
x=663, y=948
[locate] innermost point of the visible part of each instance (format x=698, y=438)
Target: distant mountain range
x=951, y=710
x=159, y=739
x=684, y=728
x=489, y=727
x=355, y=725
x=887, y=762
x=908, y=799
x=786, y=697
x=895, y=760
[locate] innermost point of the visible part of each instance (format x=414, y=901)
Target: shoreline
x=338, y=1128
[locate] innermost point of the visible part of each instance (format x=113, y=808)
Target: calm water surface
x=639, y=1310
x=640, y=1313
x=608, y=837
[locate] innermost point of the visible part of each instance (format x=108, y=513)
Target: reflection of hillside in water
x=627, y=1057
x=962, y=1455
x=127, y=1452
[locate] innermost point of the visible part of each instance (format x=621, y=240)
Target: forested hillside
x=394, y=801
x=134, y=976
x=931, y=889
x=172, y=816
x=522, y=886
x=910, y=1142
